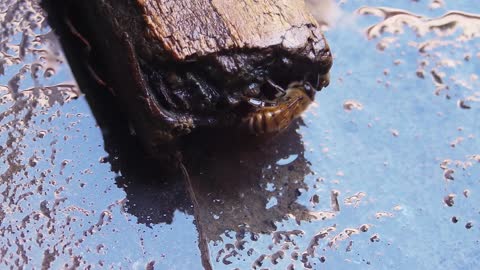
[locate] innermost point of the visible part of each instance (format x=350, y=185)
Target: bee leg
x=255, y=102
x=277, y=87
x=260, y=103
x=236, y=100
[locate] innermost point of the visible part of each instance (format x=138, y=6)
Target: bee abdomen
x=277, y=118
x=262, y=122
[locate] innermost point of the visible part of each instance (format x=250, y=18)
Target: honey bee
x=278, y=116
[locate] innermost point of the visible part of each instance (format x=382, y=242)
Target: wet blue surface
x=363, y=183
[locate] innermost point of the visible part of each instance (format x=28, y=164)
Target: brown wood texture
x=200, y=27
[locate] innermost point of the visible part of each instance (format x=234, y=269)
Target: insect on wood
x=175, y=66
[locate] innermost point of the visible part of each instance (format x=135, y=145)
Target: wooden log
x=176, y=65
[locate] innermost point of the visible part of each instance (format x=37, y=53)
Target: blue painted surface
x=63, y=193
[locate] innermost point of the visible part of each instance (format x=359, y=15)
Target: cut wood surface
x=199, y=27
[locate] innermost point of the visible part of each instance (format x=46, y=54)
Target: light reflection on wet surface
x=383, y=171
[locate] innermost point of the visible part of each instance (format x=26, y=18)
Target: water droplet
x=49, y=72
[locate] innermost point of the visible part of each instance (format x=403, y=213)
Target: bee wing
x=287, y=112
x=275, y=118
